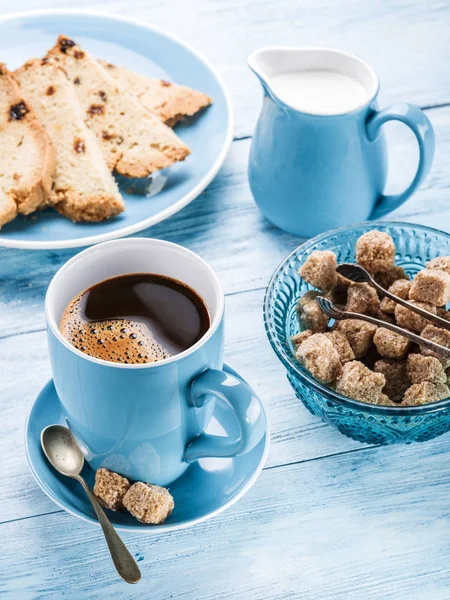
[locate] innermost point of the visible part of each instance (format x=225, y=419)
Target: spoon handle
x=417, y=339
x=438, y=321
x=123, y=561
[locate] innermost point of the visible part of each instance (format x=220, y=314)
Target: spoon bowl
x=62, y=451
x=354, y=272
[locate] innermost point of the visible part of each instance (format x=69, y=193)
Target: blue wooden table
x=328, y=518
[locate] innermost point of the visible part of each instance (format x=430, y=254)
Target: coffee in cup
x=135, y=318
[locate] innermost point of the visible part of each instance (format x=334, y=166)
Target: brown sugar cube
x=362, y=298
x=360, y=383
x=384, y=400
x=390, y=344
x=110, y=488
x=375, y=251
x=320, y=358
x=425, y=392
x=431, y=286
x=425, y=368
x=401, y=289
x=397, y=381
x=440, y=263
x=148, y=503
x=299, y=338
x=436, y=334
x=319, y=270
x=341, y=345
x=387, y=318
x=309, y=313
x=359, y=334
x=410, y=320
x=443, y=313
x=387, y=278
x=439, y=336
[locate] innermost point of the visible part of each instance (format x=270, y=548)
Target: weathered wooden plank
x=226, y=228
x=372, y=524
x=405, y=42
x=207, y=226
x=296, y=435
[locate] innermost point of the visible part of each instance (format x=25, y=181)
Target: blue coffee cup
x=147, y=421
x=310, y=171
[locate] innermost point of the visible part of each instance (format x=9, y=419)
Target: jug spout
x=279, y=70
x=265, y=64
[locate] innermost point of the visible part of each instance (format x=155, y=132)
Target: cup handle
x=419, y=123
x=242, y=400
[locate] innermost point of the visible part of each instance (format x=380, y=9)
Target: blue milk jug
x=312, y=169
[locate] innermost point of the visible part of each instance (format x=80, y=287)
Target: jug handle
x=412, y=116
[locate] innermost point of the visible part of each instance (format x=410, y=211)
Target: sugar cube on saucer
x=110, y=488
x=148, y=503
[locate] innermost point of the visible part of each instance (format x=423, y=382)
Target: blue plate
x=206, y=488
x=148, y=50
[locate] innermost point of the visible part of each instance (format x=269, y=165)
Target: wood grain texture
x=372, y=524
x=225, y=227
x=329, y=518
x=296, y=435
x=405, y=41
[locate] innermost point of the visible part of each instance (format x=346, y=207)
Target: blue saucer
x=152, y=52
x=206, y=488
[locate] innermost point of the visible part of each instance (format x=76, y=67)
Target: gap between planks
x=240, y=138
x=426, y=107
x=233, y=293
x=270, y=468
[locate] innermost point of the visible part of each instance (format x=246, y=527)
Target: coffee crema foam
x=116, y=340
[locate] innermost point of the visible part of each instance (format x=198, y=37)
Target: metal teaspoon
x=63, y=453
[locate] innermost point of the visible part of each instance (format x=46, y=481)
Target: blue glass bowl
x=366, y=423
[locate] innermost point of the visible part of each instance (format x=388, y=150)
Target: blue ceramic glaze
x=415, y=246
x=147, y=421
x=206, y=488
x=310, y=172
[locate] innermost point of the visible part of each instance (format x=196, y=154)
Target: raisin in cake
x=83, y=189
x=28, y=160
x=134, y=142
